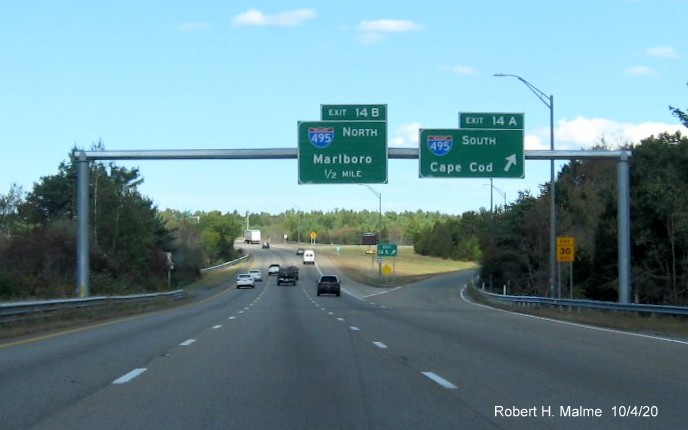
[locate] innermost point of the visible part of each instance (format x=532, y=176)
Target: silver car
x=256, y=274
x=245, y=280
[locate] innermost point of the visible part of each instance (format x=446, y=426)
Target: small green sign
x=353, y=112
x=342, y=152
x=491, y=120
x=387, y=250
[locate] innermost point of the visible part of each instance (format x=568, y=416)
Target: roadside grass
x=656, y=324
x=407, y=267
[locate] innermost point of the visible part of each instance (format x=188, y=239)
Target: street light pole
x=549, y=102
x=500, y=192
x=379, y=240
x=379, y=197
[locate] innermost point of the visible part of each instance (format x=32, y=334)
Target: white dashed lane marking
x=129, y=376
x=441, y=381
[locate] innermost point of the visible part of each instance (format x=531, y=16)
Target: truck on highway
x=252, y=236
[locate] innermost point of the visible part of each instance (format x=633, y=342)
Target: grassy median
x=360, y=263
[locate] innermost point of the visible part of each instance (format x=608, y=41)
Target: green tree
x=129, y=238
x=681, y=115
x=218, y=232
x=659, y=187
x=9, y=205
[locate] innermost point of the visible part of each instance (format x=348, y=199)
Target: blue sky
x=241, y=74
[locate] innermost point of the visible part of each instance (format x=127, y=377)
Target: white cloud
x=388, y=26
x=255, y=17
x=662, y=52
x=641, y=71
x=464, y=70
x=192, y=27
x=376, y=31
x=407, y=136
x=584, y=133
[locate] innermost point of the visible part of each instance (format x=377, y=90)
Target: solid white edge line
x=382, y=292
x=441, y=381
x=129, y=376
x=590, y=327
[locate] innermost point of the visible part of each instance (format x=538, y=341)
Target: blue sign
x=321, y=137
x=440, y=145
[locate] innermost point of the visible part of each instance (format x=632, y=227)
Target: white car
x=245, y=280
x=256, y=274
x=273, y=269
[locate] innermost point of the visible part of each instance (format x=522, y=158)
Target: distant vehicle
x=309, y=256
x=266, y=245
x=288, y=275
x=245, y=280
x=299, y=251
x=252, y=236
x=273, y=269
x=329, y=284
x=256, y=274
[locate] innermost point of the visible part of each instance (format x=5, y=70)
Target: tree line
x=131, y=239
x=134, y=246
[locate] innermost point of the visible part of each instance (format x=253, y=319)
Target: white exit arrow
x=510, y=161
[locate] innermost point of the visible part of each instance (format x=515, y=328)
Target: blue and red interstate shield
x=321, y=137
x=440, y=145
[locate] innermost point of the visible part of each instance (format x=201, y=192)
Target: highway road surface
x=280, y=357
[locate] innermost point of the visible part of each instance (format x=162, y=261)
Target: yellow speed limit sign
x=566, y=249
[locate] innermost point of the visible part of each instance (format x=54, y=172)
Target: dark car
x=266, y=245
x=288, y=275
x=299, y=251
x=329, y=284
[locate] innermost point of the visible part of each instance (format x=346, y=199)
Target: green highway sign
x=353, y=112
x=471, y=153
x=342, y=152
x=491, y=120
x=387, y=250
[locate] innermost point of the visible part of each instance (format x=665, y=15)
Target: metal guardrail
x=584, y=304
x=15, y=311
x=223, y=265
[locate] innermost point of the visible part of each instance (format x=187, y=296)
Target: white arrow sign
x=510, y=161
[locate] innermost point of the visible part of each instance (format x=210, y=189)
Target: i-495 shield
x=440, y=145
x=321, y=137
